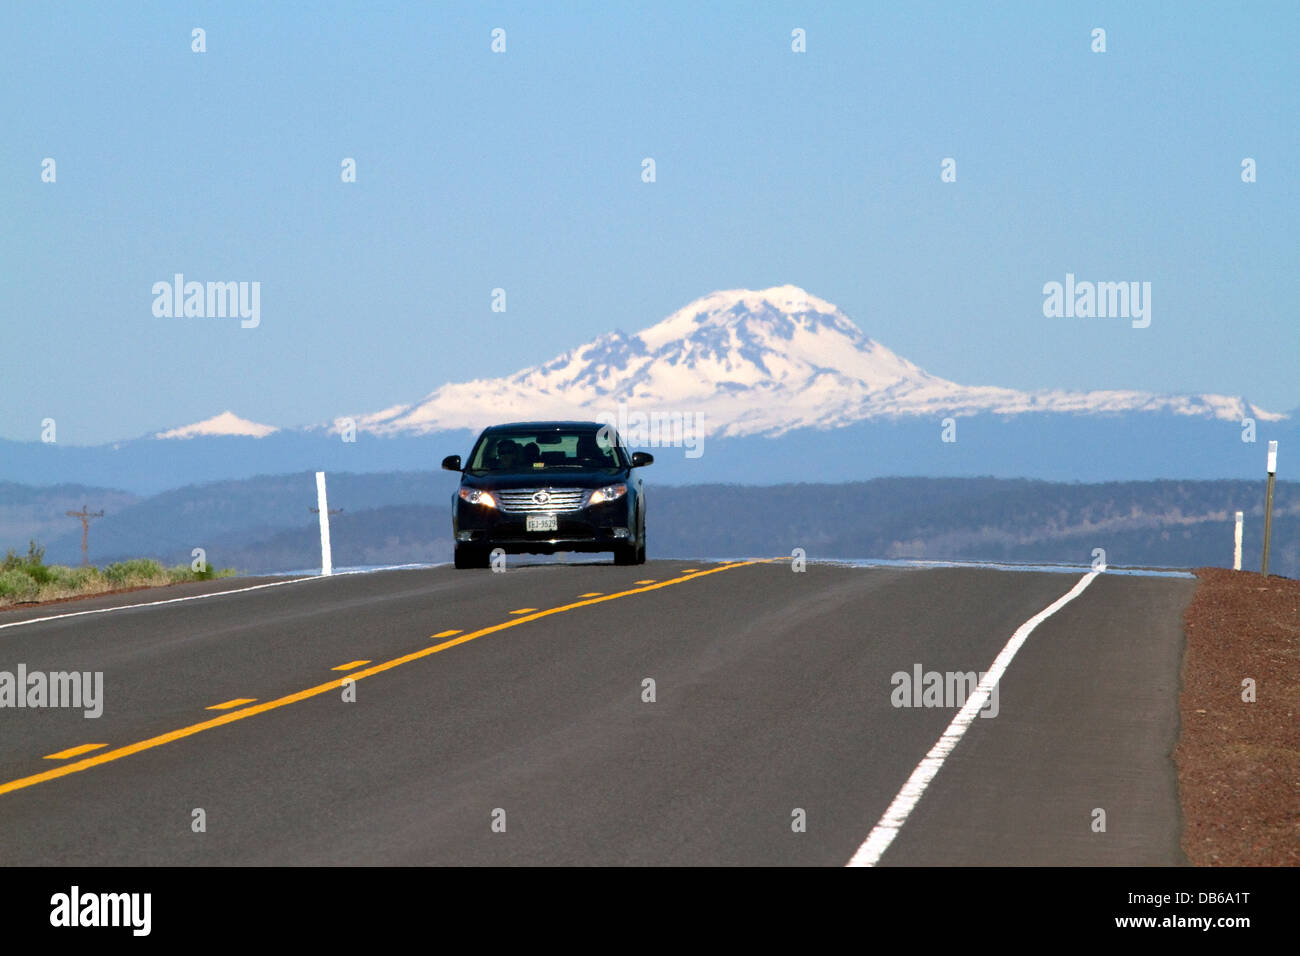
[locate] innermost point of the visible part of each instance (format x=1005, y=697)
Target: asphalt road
x=772, y=696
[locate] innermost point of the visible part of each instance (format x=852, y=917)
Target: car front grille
x=557, y=500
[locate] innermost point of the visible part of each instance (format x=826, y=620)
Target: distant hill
x=230, y=515
x=28, y=512
x=1157, y=523
x=263, y=524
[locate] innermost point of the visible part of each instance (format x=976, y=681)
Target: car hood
x=547, y=478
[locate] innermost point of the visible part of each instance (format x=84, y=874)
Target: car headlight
x=608, y=493
x=476, y=496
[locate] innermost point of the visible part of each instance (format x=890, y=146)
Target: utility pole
x=85, y=515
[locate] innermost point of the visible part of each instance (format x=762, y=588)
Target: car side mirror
x=640, y=459
x=452, y=463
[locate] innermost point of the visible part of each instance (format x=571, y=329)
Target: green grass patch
x=17, y=586
x=27, y=577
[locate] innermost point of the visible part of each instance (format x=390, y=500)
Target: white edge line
x=1000, y=566
x=882, y=835
x=194, y=597
x=924, y=564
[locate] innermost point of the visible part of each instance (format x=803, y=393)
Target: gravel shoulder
x=1239, y=760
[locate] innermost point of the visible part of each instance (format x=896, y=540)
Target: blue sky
x=522, y=170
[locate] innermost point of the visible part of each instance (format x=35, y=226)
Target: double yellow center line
x=325, y=688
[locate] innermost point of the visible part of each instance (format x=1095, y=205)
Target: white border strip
x=127, y=607
x=882, y=835
x=200, y=597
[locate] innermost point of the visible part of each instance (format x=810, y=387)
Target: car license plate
x=540, y=523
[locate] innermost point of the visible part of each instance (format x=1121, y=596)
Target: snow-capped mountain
x=762, y=375
x=225, y=424
x=754, y=363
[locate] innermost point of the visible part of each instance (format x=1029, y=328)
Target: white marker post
x=1268, y=503
x=326, y=560
x=1236, y=542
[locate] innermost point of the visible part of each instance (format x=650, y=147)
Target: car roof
x=543, y=426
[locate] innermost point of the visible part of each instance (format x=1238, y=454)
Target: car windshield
x=524, y=450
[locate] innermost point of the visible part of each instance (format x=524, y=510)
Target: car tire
x=640, y=549
x=625, y=554
x=467, y=556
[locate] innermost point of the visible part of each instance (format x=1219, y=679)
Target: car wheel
x=470, y=557
x=640, y=549
x=624, y=554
